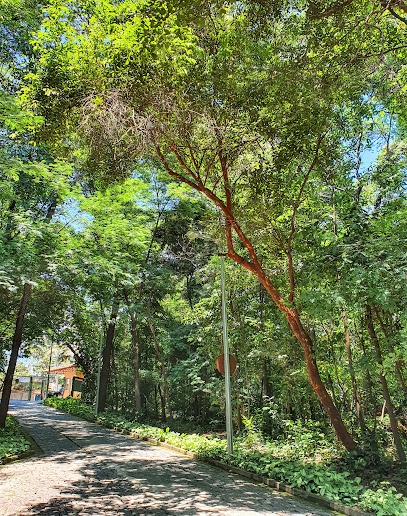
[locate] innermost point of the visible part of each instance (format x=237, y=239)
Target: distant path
x=88, y=470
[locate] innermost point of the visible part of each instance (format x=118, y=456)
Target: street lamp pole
x=99, y=360
x=229, y=428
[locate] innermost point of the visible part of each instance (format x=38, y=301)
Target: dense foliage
x=145, y=138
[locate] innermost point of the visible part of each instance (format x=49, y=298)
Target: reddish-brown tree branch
x=209, y=167
x=191, y=153
x=183, y=164
x=172, y=172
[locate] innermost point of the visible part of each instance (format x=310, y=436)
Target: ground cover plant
x=12, y=441
x=269, y=459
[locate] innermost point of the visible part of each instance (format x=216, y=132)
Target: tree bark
x=386, y=394
x=166, y=394
x=17, y=339
x=317, y=384
x=398, y=363
x=79, y=360
x=136, y=368
x=356, y=396
x=162, y=400
x=106, y=357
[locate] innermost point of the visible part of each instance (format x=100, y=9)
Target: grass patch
x=252, y=454
x=13, y=443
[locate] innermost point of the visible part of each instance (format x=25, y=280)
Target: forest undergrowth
x=12, y=441
x=306, y=458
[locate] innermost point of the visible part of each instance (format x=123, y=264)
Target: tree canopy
x=272, y=132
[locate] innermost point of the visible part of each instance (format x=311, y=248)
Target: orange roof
x=64, y=369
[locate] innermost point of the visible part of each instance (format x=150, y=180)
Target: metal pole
x=99, y=360
x=229, y=427
x=49, y=366
x=30, y=388
x=56, y=365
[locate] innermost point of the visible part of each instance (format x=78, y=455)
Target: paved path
x=89, y=470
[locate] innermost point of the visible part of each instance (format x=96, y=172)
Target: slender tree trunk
x=330, y=384
x=106, y=356
x=17, y=339
x=158, y=351
x=79, y=360
x=342, y=402
x=136, y=367
x=356, y=397
x=369, y=382
x=267, y=391
x=115, y=383
x=318, y=385
x=155, y=401
x=162, y=399
x=385, y=389
x=265, y=383
x=398, y=363
x=18, y=332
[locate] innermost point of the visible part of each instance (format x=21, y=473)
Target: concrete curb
x=258, y=479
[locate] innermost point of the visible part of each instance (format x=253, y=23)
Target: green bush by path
x=320, y=479
x=12, y=441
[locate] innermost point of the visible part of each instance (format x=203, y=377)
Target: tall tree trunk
x=18, y=332
x=356, y=396
x=386, y=395
x=136, y=367
x=266, y=387
x=317, y=384
x=369, y=381
x=106, y=356
x=158, y=351
x=162, y=399
x=17, y=339
x=398, y=363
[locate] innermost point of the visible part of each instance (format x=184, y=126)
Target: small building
x=28, y=388
x=73, y=382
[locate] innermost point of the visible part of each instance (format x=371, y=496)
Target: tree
x=194, y=141
x=250, y=141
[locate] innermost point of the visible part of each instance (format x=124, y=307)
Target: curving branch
x=184, y=165
x=393, y=13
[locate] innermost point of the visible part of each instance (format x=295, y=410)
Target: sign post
x=229, y=427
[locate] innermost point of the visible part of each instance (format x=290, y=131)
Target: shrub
x=12, y=441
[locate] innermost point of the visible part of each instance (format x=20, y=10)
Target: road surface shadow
x=168, y=486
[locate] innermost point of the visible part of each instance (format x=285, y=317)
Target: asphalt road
x=86, y=469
